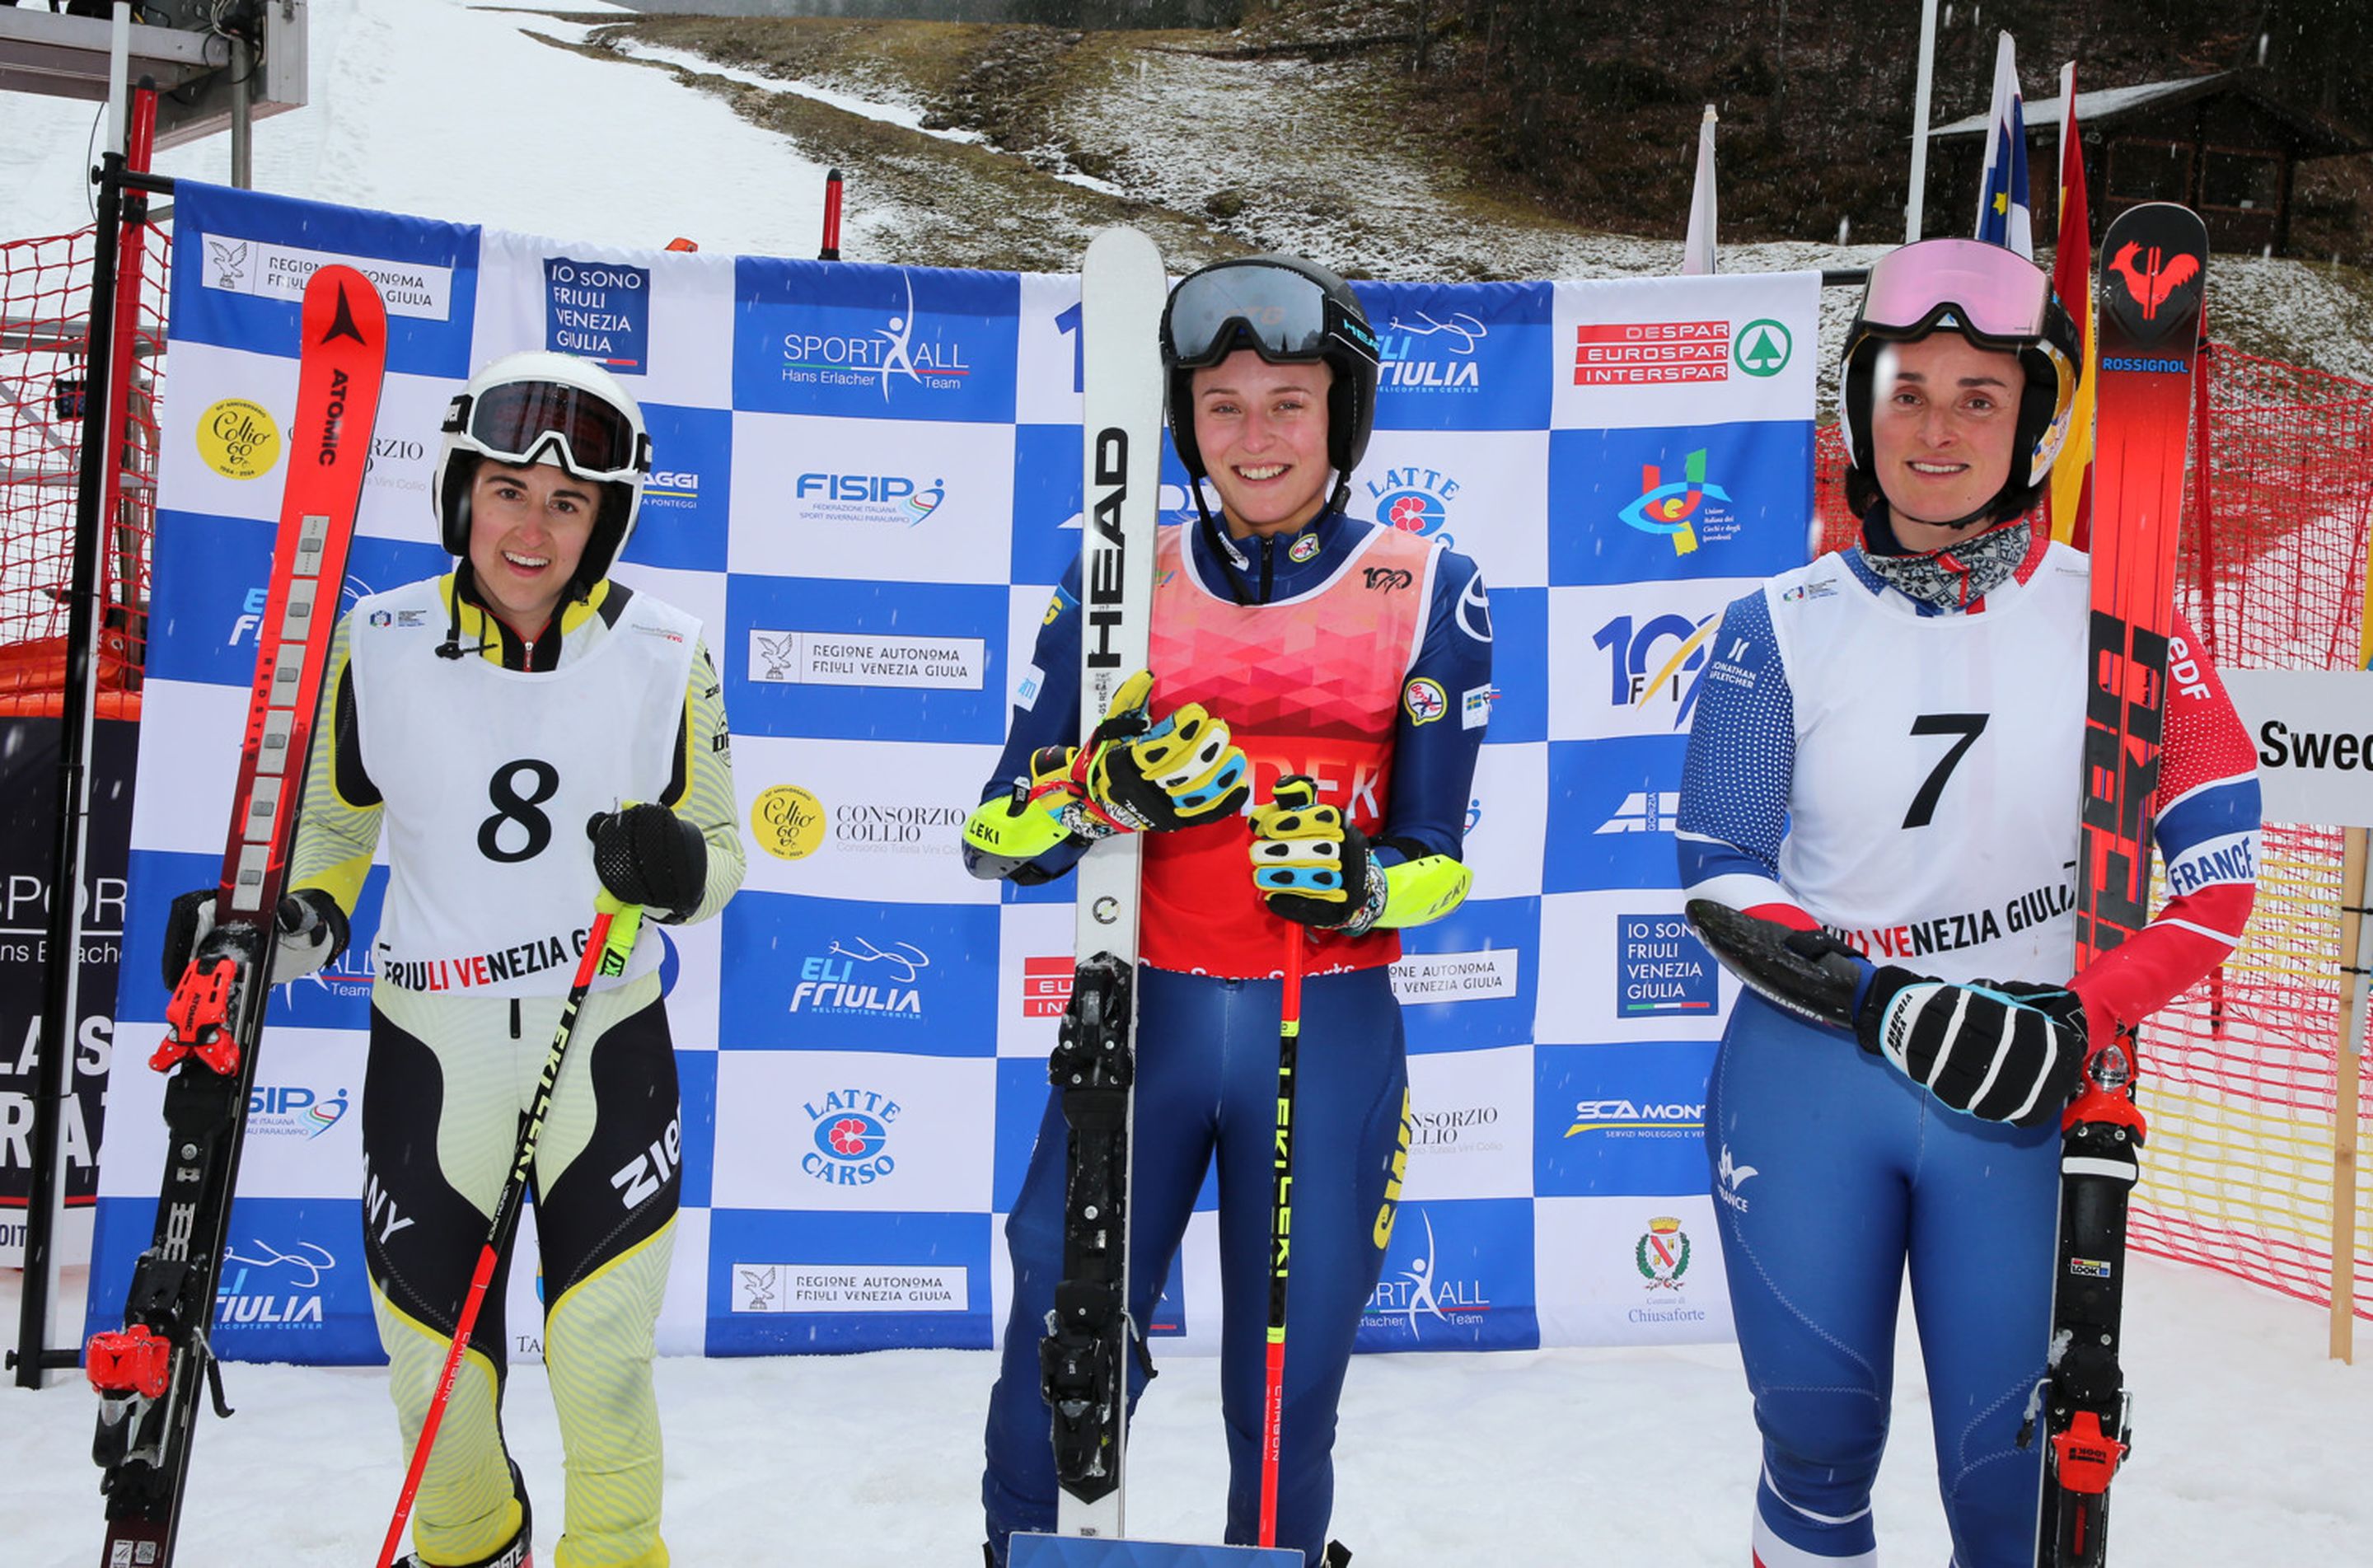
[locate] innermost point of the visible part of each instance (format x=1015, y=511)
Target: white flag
x=1697, y=252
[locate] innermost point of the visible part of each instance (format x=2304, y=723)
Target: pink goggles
x=1990, y=292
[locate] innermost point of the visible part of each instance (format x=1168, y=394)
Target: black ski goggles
x=1280, y=314
x=517, y=421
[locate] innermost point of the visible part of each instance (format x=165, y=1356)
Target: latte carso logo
x=851, y=1129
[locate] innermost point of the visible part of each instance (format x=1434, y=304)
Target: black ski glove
x=2000, y=1050
x=648, y=855
x=311, y=929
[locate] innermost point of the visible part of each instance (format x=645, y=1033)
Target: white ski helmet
x=540, y=407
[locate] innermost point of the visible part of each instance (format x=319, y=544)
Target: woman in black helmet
x=1318, y=644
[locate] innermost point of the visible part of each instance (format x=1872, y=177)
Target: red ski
x=148, y=1373
x=2153, y=278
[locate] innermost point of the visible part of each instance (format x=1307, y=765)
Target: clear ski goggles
x=519, y=422
x=1992, y=295
x=1278, y=312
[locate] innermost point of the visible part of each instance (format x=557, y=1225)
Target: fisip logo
x=293, y=1110
x=900, y=499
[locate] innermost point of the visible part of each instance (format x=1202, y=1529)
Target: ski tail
x=148, y=1374
x=1083, y=1361
x=2151, y=291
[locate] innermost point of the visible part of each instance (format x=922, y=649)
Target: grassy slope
x=1333, y=156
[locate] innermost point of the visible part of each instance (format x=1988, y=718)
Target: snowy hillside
x=546, y=121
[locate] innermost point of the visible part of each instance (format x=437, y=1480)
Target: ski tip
x=1122, y=246
x=340, y=302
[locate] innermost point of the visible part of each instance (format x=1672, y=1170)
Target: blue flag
x=2003, y=211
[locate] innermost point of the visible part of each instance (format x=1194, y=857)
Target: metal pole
x=61, y=969
x=242, y=107
x=1920, y=122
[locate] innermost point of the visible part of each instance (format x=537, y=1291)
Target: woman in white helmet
x=497, y=727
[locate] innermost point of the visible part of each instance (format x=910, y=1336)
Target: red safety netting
x=44, y=344
x=2243, y=1070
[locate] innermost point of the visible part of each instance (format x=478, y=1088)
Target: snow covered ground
x=2251, y=1446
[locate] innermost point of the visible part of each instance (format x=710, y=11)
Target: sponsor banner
x=686, y=309
x=816, y=973
x=865, y=342
x=304, y=1121
x=1469, y=980
x=781, y=1282
x=1621, y=1118
x=1616, y=1270
x=808, y=656
x=227, y=453
x=1704, y=500
x=1034, y=975
x=399, y=479
x=29, y=781
x=1630, y=657
x=1612, y=809
x=1517, y=622
x=1046, y=513
x=818, y=498
x=861, y=819
x=1636, y=973
x=1460, y=356
x=1471, y=1124
x=1049, y=361
x=292, y=1288
x=1506, y=816
x=688, y=499
x=847, y=1132
x=224, y=565
x=2313, y=739
x=247, y=257
x=1481, y=492
x=1458, y=1275
x=1634, y=352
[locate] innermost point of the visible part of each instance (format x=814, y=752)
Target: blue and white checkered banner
x=867, y=479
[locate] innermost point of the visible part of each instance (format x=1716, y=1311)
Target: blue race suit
x=1206, y=1065
x=1908, y=778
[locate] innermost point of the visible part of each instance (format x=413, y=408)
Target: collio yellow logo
x=787, y=821
x=238, y=438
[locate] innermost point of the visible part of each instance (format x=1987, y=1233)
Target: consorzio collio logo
x=787, y=821
x=238, y=438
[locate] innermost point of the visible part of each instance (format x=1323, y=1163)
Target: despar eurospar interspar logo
x=850, y=1135
x=1688, y=509
x=1645, y=354
x=1416, y=499
x=854, y=978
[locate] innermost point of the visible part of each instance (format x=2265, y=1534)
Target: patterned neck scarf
x=1953, y=578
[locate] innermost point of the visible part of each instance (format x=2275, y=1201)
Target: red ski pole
x=607, y=947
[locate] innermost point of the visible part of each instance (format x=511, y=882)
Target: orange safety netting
x=2242, y=1071
x=44, y=376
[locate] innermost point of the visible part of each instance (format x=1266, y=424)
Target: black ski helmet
x=1289, y=312
x=1995, y=298
x=541, y=407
